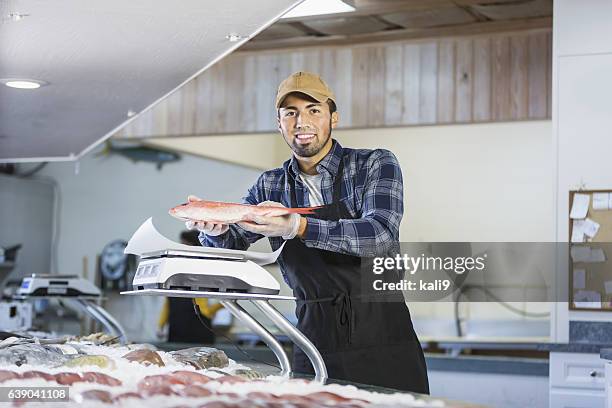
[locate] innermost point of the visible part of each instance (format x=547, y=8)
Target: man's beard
x=311, y=149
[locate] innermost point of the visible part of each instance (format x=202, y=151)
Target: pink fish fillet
x=230, y=213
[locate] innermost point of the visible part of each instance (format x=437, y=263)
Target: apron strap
x=338, y=180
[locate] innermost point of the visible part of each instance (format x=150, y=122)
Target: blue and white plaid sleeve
x=377, y=230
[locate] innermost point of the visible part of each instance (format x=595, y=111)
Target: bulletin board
x=590, y=278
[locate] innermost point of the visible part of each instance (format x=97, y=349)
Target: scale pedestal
x=88, y=305
x=261, y=301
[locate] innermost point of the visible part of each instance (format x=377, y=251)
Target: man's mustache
x=305, y=130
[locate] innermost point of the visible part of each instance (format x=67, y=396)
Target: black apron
x=183, y=324
x=361, y=341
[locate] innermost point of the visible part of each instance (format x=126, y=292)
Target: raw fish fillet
x=100, y=378
x=98, y=395
x=201, y=357
x=144, y=356
x=34, y=354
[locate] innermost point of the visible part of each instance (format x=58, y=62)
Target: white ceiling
x=103, y=58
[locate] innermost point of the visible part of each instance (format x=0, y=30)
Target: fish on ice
x=230, y=213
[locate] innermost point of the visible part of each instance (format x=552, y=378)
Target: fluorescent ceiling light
x=23, y=83
x=318, y=7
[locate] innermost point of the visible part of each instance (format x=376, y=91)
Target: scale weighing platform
x=229, y=277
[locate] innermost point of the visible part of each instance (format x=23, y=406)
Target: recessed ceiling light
x=23, y=83
x=17, y=16
x=318, y=7
x=235, y=37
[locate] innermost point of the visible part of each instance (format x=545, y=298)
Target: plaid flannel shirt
x=372, y=192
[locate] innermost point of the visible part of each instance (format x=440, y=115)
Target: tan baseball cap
x=307, y=83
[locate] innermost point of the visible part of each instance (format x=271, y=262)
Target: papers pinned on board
x=580, y=206
x=601, y=201
x=590, y=228
x=579, y=278
x=583, y=228
x=587, y=254
x=577, y=231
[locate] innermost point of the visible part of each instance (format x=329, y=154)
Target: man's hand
x=285, y=226
x=209, y=228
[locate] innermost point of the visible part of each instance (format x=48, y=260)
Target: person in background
x=178, y=316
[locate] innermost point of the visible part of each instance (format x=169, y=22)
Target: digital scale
x=74, y=290
x=229, y=276
x=57, y=285
x=182, y=270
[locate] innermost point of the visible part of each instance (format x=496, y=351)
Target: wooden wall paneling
x=504, y=77
x=481, y=105
x=537, y=88
x=328, y=69
x=376, y=86
x=411, y=84
x=282, y=70
x=297, y=60
x=331, y=73
x=549, y=60
x=234, y=92
x=359, y=98
x=343, y=86
x=187, y=115
x=394, y=81
x=428, y=93
x=160, y=119
x=248, y=121
x=501, y=78
x=204, y=109
x=519, y=78
x=219, y=85
x=174, y=109
x=311, y=60
x=464, y=80
x=446, y=81
x=146, y=123
x=266, y=92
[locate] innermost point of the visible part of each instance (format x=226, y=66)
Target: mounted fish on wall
x=138, y=152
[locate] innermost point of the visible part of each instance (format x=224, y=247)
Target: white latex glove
x=285, y=226
x=209, y=228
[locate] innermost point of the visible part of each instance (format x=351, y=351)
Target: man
x=370, y=342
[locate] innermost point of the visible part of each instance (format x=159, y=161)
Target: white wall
x=26, y=217
x=582, y=63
